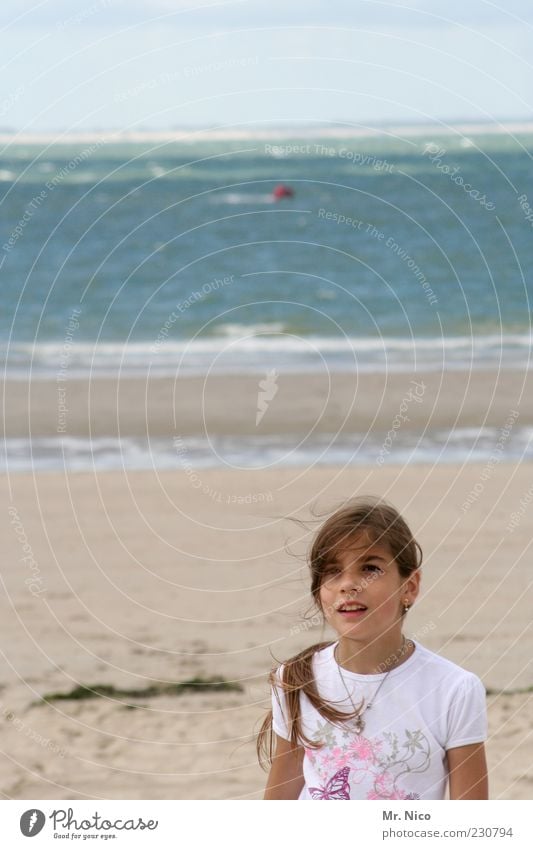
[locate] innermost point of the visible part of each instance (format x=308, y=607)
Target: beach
x=223, y=405
x=189, y=365
x=137, y=578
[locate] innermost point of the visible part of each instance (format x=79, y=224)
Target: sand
x=137, y=578
x=304, y=404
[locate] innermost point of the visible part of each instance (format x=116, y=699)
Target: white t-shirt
x=426, y=706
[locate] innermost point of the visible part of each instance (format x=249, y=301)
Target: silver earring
x=406, y=606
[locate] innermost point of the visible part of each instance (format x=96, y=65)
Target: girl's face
x=362, y=594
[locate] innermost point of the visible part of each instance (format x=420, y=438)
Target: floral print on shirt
x=379, y=761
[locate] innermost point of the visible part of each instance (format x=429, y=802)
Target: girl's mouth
x=352, y=611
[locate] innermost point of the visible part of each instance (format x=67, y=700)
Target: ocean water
x=71, y=454
x=174, y=258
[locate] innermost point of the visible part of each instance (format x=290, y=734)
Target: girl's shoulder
x=432, y=664
x=317, y=662
x=304, y=660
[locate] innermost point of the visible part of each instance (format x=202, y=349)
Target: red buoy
x=282, y=191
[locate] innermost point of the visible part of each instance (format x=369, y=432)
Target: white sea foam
x=266, y=132
x=234, y=198
x=461, y=445
x=245, y=330
x=255, y=347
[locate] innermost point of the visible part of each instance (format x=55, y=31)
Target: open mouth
x=352, y=610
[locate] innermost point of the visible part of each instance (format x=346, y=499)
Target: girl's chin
x=353, y=624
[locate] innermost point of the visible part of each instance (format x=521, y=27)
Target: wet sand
x=304, y=403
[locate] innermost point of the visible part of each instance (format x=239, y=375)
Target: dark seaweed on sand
x=192, y=685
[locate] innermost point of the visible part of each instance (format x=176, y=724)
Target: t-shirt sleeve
x=467, y=714
x=279, y=709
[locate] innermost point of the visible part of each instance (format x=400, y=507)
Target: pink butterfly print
x=336, y=788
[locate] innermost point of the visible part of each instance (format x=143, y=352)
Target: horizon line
x=267, y=130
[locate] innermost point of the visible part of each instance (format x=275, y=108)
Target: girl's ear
x=412, y=584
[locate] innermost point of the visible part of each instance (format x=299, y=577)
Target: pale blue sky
x=154, y=64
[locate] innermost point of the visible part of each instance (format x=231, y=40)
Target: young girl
x=373, y=715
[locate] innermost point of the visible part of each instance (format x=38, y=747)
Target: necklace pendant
x=359, y=724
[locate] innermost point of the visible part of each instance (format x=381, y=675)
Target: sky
x=71, y=65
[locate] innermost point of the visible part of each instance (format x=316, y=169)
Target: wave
x=234, y=198
x=461, y=445
x=253, y=348
x=285, y=131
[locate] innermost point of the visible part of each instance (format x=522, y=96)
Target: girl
x=373, y=715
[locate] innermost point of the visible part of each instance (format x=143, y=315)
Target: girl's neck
x=378, y=656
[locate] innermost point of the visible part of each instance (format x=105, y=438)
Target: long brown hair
x=382, y=523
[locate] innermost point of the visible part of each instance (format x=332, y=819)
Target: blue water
x=424, y=276
x=174, y=258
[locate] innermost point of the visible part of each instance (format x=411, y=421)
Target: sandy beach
x=251, y=270
x=131, y=579
x=226, y=404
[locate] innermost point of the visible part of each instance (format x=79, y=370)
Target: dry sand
x=140, y=577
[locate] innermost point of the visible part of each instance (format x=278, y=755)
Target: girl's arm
x=467, y=768
x=286, y=777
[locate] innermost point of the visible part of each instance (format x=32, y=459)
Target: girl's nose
x=350, y=584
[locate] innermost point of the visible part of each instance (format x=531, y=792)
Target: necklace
x=359, y=722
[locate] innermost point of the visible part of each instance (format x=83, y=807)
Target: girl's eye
x=373, y=568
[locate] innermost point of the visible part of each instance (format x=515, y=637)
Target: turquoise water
x=175, y=257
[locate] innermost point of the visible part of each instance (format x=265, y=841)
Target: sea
x=155, y=257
